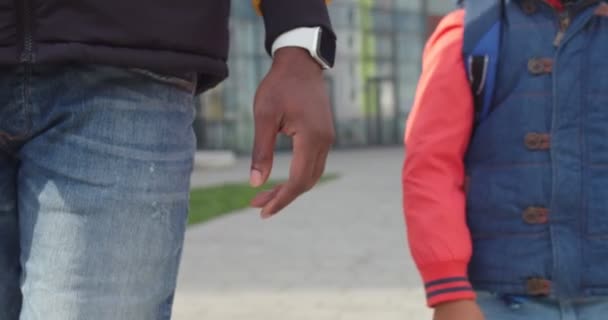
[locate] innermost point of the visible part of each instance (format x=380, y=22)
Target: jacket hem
x=210, y=71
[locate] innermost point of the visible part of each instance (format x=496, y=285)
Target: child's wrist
x=452, y=303
x=459, y=309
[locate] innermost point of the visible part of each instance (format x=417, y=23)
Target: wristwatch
x=320, y=44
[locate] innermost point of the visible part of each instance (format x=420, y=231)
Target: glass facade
x=371, y=87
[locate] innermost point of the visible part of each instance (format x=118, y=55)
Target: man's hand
x=292, y=100
x=458, y=310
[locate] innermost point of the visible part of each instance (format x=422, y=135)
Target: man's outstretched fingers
x=266, y=130
x=301, y=175
x=285, y=195
x=320, y=164
x=263, y=198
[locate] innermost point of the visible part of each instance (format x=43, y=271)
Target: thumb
x=266, y=130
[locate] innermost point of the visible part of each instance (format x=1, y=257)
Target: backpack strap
x=481, y=48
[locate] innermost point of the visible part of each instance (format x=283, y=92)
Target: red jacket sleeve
x=436, y=139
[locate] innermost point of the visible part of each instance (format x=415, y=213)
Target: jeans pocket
x=187, y=82
x=499, y=306
x=496, y=306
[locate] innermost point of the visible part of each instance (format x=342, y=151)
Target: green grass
x=211, y=202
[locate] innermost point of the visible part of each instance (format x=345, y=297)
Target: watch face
x=327, y=48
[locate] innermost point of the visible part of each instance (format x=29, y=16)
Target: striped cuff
x=447, y=282
x=448, y=289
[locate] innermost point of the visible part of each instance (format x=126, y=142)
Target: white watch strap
x=306, y=38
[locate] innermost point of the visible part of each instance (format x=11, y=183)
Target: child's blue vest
x=537, y=165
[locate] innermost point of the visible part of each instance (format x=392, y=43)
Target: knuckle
x=264, y=111
x=263, y=114
x=331, y=137
x=297, y=188
x=324, y=136
x=302, y=186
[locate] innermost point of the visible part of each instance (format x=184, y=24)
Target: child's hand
x=458, y=310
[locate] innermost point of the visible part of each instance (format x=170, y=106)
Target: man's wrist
x=450, y=303
x=293, y=58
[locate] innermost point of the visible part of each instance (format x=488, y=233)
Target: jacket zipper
x=27, y=54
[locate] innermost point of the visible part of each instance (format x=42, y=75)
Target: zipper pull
x=564, y=23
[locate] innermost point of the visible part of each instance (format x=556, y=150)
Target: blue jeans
x=509, y=308
x=95, y=167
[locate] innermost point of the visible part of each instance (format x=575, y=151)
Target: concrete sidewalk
x=339, y=253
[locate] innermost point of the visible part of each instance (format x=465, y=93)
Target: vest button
x=540, y=66
x=538, y=287
x=536, y=215
x=532, y=141
x=537, y=141
x=528, y=7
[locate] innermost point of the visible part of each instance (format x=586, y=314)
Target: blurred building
x=371, y=87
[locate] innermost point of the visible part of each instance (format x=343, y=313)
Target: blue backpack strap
x=481, y=48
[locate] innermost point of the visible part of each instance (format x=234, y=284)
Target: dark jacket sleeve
x=283, y=15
